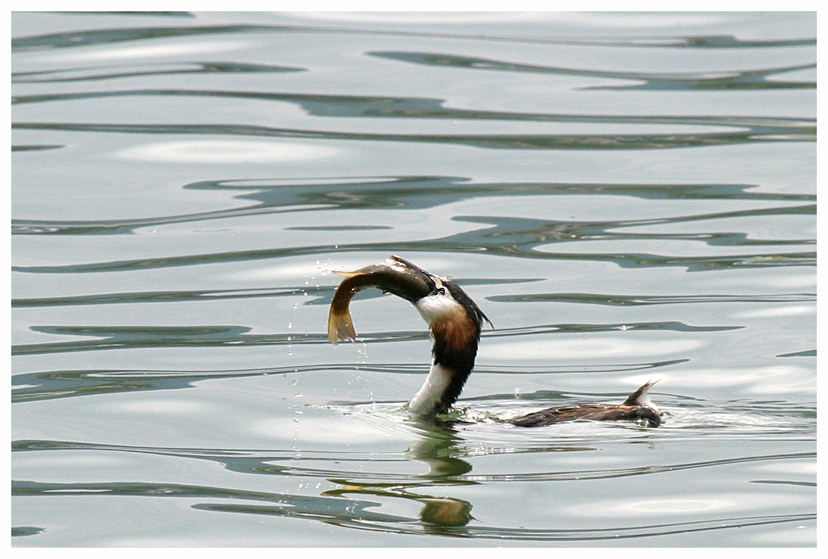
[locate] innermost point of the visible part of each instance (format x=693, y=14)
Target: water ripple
x=632, y=260
x=423, y=192
x=367, y=106
x=489, y=141
x=76, y=39
x=672, y=81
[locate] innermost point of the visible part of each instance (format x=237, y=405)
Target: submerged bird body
x=636, y=406
x=455, y=322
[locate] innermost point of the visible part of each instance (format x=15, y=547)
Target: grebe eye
x=441, y=291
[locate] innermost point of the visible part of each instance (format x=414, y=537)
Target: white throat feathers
x=429, y=399
x=455, y=330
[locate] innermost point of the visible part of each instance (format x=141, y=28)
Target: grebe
x=455, y=322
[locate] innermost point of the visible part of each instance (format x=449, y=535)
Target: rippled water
x=627, y=196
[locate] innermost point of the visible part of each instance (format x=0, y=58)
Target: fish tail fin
x=340, y=326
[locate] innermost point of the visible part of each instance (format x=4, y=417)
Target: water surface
x=627, y=196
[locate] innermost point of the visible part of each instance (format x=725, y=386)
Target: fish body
x=395, y=276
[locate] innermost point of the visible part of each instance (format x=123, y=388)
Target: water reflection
x=437, y=448
x=366, y=501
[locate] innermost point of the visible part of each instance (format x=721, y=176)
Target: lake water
x=627, y=196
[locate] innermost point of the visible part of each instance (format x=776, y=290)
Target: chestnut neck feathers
x=455, y=322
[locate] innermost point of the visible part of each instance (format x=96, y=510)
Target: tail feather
x=640, y=396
